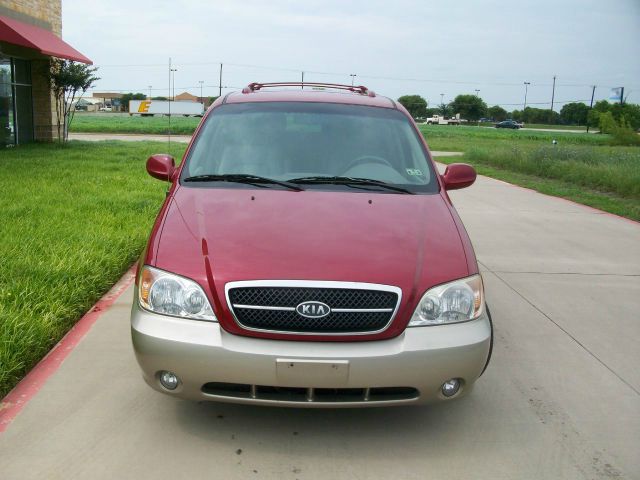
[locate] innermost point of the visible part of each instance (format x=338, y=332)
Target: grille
x=353, y=310
x=306, y=395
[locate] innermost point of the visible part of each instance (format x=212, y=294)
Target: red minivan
x=308, y=255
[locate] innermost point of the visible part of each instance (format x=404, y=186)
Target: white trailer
x=164, y=107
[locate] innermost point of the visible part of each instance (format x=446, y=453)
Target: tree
x=126, y=97
x=574, y=113
x=415, y=105
x=470, y=107
x=535, y=115
x=430, y=112
x=159, y=98
x=497, y=113
x=593, y=117
x=67, y=78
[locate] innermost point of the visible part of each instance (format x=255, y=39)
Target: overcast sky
x=425, y=47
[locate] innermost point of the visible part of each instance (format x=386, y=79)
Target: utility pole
x=553, y=95
x=477, y=91
x=220, y=82
x=526, y=86
x=593, y=92
x=621, y=95
x=353, y=76
x=302, y=80
x=149, y=92
x=201, y=97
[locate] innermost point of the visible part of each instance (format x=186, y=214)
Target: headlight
x=169, y=294
x=452, y=302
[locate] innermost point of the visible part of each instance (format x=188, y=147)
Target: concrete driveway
x=560, y=399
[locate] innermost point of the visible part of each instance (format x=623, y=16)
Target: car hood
x=215, y=236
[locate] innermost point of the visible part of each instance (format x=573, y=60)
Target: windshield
x=291, y=141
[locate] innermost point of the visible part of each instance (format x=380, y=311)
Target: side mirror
x=161, y=166
x=458, y=175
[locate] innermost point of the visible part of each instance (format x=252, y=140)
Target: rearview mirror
x=161, y=166
x=458, y=175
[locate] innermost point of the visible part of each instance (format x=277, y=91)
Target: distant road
x=559, y=130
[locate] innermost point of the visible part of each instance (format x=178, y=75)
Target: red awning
x=20, y=33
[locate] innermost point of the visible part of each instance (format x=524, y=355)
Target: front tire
x=490, y=343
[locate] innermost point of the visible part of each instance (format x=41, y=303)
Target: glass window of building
x=16, y=107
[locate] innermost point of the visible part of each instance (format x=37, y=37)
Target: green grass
x=123, y=123
x=607, y=178
x=558, y=127
x=581, y=167
x=461, y=139
x=74, y=218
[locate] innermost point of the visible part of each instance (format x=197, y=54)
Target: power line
x=364, y=75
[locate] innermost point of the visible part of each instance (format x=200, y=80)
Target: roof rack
x=360, y=89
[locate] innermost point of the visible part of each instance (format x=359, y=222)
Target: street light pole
x=220, y=82
x=526, y=86
x=169, y=129
x=553, y=93
x=173, y=83
x=353, y=76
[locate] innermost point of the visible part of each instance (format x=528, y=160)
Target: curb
x=30, y=385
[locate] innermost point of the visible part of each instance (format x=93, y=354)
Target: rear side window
x=286, y=140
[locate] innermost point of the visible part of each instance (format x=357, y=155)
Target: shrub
x=623, y=134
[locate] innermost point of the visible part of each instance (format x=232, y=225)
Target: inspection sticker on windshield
x=414, y=172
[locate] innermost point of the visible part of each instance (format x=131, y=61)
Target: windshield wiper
x=350, y=181
x=243, y=178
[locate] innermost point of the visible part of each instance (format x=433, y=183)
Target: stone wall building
x=30, y=34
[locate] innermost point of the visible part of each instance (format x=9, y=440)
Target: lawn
x=581, y=128
x=124, y=123
x=74, y=220
x=461, y=139
x=581, y=167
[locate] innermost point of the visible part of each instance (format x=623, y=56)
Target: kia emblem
x=313, y=309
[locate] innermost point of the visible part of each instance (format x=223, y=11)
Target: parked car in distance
x=104, y=109
x=508, y=124
x=307, y=254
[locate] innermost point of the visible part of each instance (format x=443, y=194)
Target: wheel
x=491, y=342
x=367, y=159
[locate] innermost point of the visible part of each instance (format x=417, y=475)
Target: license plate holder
x=312, y=373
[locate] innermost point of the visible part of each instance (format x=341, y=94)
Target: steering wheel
x=367, y=159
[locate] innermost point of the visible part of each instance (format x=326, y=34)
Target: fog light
x=169, y=380
x=450, y=387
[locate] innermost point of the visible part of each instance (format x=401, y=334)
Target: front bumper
x=408, y=369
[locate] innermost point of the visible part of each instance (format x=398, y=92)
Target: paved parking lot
x=561, y=398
